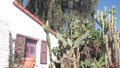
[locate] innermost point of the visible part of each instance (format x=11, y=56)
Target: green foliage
x=85, y=64
x=11, y=64
x=119, y=39
x=69, y=41
x=93, y=64
x=72, y=38
x=84, y=47
x=103, y=18
x=60, y=38
x=80, y=40
x=10, y=60
x=62, y=66
x=20, y=1
x=95, y=34
x=99, y=64
x=110, y=36
x=77, y=37
x=46, y=29
x=57, y=12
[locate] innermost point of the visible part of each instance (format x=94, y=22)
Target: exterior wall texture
x=4, y=44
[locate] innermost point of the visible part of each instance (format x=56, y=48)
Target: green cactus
x=80, y=40
x=119, y=39
x=71, y=40
x=80, y=35
x=107, y=21
x=46, y=29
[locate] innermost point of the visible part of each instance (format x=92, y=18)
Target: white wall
x=20, y=23
x=4, y=43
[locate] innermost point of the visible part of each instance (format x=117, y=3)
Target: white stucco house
x=28, y=33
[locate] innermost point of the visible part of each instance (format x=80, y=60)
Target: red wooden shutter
x=43, y=55
x=19, y=46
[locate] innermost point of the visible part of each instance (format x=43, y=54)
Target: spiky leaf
x=69, y=41
x=80, y=39
x=64, y=43
x=85, y=35
x=59, y=36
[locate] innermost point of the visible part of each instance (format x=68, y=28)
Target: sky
x=109, y=3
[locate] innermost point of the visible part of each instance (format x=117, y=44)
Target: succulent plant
x=46, y=29
x=107, y=21
x=80, y=39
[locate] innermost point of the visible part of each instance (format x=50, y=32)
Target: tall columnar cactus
x=107, y=21
x=46, y=29
x=119, y=38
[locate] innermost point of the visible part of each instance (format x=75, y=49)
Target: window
x=43, y=55
x=25, y=46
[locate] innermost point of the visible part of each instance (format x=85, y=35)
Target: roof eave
x=31, y=15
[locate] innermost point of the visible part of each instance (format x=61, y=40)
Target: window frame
x=43, y=52
x=31, y=38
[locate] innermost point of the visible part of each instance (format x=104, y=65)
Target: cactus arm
x=46, y=29
x=80, y=39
